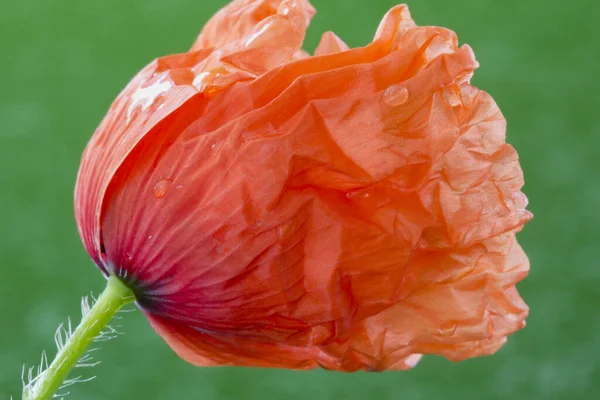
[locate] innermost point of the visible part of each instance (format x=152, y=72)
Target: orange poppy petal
x=438, y=316
x=353, y=210
x=168, y=82
x=257, y=36
x=256, y=21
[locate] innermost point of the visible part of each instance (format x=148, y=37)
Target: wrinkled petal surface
x=354, y=209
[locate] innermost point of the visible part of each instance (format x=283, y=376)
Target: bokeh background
x=63, y=62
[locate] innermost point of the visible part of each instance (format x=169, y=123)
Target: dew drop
x=452, y=96
x=161, y=188
x=395, y=95
x=145, y=97
x=280, y=231
x=285, y=229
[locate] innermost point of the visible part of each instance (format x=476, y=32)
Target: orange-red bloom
x=354, y=209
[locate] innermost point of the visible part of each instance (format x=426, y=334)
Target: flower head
x=354, y=209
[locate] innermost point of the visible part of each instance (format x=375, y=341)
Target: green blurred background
x=63, y=62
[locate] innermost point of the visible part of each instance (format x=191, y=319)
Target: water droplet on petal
x=395, y=95
x=161, y=188
x=144, y=97
x=286, y=229
x=452, y=95
x=280, y=231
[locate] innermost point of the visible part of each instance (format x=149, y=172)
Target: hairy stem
x=115, y=295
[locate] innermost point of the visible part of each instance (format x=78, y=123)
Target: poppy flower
x=354, y=209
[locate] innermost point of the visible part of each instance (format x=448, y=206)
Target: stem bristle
x=62, y=336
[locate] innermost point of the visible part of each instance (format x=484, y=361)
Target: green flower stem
x=115, y=296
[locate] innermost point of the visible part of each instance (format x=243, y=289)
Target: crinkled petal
x=167, y=83
x=253, y=21
x=352, y=210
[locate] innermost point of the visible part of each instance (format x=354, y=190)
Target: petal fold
x=351, y=210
